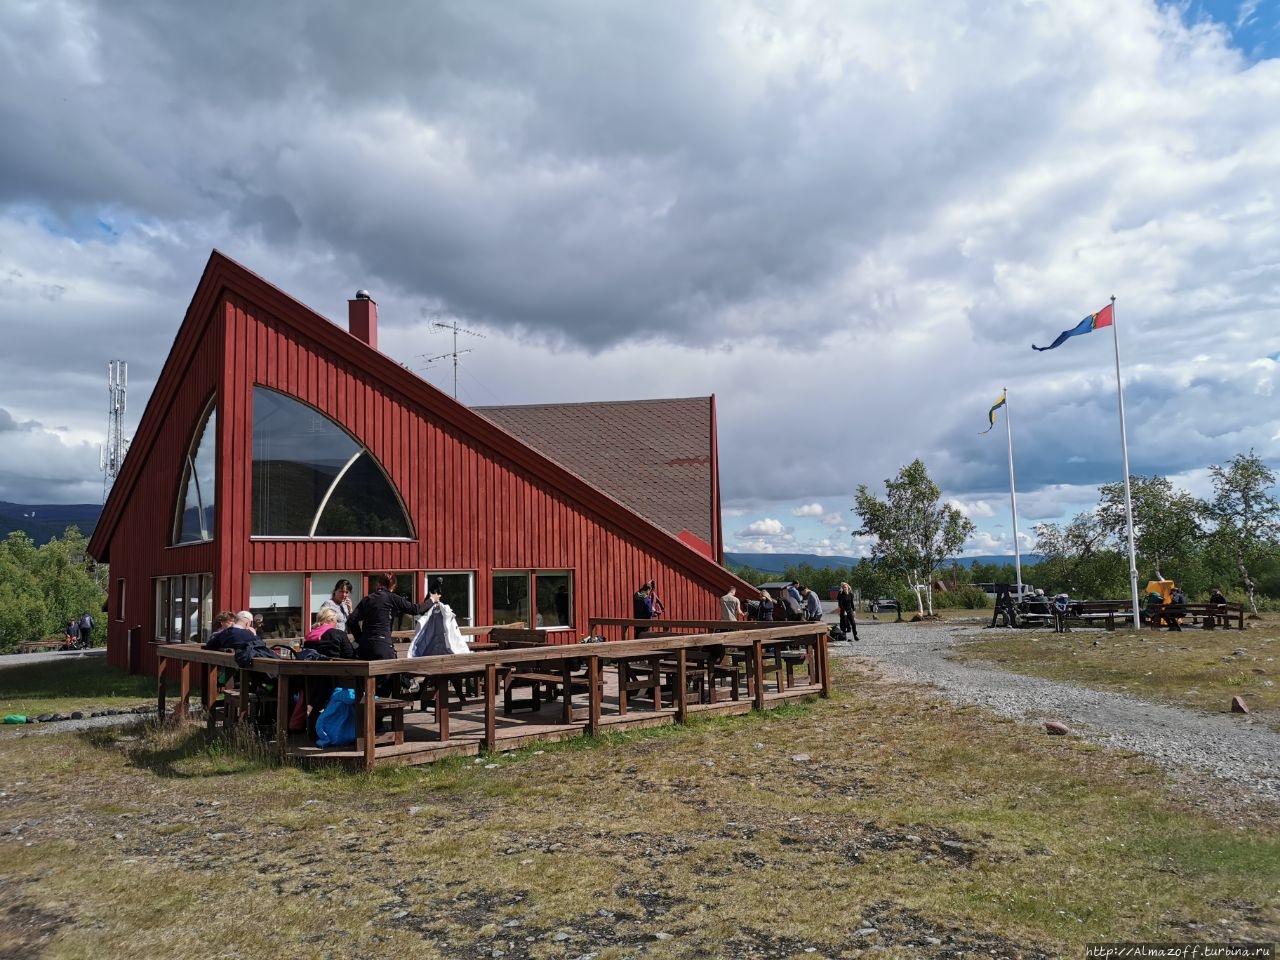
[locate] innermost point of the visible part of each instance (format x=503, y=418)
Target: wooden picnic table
x=363, y=674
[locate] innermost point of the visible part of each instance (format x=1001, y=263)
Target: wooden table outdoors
x=183, y=659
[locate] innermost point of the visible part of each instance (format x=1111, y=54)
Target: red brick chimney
x=362, y=318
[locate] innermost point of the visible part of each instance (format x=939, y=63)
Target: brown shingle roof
x=654, y=456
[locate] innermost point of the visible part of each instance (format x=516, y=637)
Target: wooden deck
x=778, y=664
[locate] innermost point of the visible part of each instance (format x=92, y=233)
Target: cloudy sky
x=848, y=220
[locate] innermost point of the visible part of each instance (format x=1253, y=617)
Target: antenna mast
x=112, y=453
x=455, y=352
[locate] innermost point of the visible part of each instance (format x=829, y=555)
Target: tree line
x=43, y=587
x=1230, y=540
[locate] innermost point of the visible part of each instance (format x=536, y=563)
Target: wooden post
x=593, y=697
x=757, y=672
x=682, y=692
x=368, y=721
x=490, y=696
x=161, y=666
x=442, y=706
x=826, y=665
x=282, y=715
x=184, y=690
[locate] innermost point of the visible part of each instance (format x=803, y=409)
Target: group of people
x=79, y=634
x=343, y=631
x=800, y=602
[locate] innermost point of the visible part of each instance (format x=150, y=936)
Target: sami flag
x=1092, y=322
x=991, y=414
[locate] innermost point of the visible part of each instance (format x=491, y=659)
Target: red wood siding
x=471, y=507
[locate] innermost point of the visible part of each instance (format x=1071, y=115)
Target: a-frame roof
x=224, y=277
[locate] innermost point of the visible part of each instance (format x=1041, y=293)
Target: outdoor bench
x=37, y=646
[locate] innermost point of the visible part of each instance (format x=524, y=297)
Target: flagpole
x=1124, y=454
x=1013, y=494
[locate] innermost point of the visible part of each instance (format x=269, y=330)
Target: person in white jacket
x=438, y=635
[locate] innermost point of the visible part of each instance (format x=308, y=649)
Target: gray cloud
x=848, y=223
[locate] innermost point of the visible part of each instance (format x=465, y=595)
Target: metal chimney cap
x=363, y=295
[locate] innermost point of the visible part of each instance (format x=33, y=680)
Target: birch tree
x=1245, y=516
x=914, y=530
x=1166, y=521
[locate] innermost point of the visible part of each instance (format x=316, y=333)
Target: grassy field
x=64, y=684
x=1195, y=668
x=881, y=817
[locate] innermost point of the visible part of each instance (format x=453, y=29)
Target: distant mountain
x=778, y=562
x=44, y=521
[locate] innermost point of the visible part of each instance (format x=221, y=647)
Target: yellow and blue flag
x=991, y=414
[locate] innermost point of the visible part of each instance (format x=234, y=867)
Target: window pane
x=363, y=505
x=174, y=620
x=510, y=598
x=457, y=590
x=199, y=480
x=555, y=600
x=298, y=455
x=161, y=587
x=278, y=598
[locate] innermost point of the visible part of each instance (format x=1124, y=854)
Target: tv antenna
x=453, y=328
x=111, y=455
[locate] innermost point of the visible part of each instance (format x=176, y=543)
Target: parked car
x=884, y=604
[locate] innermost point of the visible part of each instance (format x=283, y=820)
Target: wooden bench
x=387, y=707
x=39, y=646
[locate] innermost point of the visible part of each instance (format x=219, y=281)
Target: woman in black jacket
x=370, y=624
x=845, y=601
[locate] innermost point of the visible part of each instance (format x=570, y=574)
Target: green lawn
x=64, y=684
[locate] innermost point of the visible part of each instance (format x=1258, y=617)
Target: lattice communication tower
x=112, y=455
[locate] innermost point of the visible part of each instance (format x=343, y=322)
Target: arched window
x=312, y=479
x=194, y=520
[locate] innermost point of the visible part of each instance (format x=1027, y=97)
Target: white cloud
x=808, y=510
x=767, y=527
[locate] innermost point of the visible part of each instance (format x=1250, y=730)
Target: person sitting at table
x=231, y=631
x=329, y=643
x=1217, y=599
x=812, y=605
x=328, y=639
x=370, y=623
x=1154, y=605
x=1175, y=609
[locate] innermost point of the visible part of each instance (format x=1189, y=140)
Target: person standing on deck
x=340, y=603
x=370, y=624
x=731, y=606
x=642, y=603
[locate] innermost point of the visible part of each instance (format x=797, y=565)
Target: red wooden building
x=279, y=453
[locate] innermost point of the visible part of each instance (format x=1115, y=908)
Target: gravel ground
x=1202, y=749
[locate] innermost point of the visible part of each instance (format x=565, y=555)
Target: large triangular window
x=313, y=479
x=194, y=520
